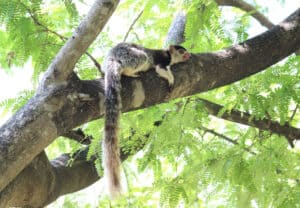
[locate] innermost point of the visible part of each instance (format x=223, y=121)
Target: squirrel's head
x=178, y=54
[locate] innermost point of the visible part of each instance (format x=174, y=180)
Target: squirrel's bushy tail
x=111, y=153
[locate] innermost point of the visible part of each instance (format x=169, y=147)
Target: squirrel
x=128, y=59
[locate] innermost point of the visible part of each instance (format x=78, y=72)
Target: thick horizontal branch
x=72, y=173
x=207, y=71
x=252, y=56
x=291, y=133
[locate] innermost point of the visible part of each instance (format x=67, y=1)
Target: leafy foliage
x=13, y=104
x=180, y=155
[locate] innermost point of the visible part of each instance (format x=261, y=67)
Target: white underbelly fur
x=133, y=72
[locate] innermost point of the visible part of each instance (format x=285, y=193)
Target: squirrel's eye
x=181, y=51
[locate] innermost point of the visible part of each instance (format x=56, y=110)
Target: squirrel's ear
x=171, y=48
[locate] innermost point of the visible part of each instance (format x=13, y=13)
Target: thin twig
x=247, y=8
x=78, y=136
x=132, y=24
x=294, y=113
x=96, y=63
x=226, y=138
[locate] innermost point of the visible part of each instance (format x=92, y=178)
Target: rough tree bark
x=176, y=36
x=33, y=127
x=64, y=102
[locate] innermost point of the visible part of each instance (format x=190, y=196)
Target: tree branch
x=132, y=24
x=51, y=180
x=65, y=174
x=78, y=136
x=263, y=20
x=39, y=113
x=290, y=133
x=294, y=113
x=22, y=190
x=52, y=112
x=232, y=141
